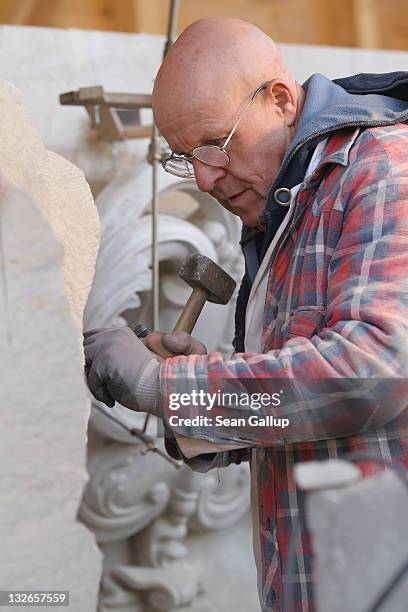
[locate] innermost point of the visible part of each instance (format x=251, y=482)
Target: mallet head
x=200, y=271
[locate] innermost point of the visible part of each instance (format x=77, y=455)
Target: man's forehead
x=206, y=120
x=202, y=94
x=193, y=102
x=185, y=140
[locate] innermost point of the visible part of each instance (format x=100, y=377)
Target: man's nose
x=206, y=176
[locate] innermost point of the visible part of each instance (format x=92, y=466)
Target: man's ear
x=282, y=96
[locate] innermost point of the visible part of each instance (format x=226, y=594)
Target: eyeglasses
x=181, y=165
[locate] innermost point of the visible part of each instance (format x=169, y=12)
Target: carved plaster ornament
x=138, y=507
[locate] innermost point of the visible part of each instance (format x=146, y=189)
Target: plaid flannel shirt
x=336, y=307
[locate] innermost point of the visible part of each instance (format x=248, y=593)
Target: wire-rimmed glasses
x=181, y=164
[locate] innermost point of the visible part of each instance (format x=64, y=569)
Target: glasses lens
x=179, y=166
x=211, y=155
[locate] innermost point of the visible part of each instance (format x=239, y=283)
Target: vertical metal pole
x=155, y=155
x=155, y=219
x=172, y=25
x=171, y=35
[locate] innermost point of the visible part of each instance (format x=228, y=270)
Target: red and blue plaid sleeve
x=338, y=338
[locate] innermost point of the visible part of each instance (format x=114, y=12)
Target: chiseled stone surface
x=359, y=537
x=58, y=188
x=44, y=413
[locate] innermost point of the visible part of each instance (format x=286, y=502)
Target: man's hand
x=115, y=360
x=176, y=343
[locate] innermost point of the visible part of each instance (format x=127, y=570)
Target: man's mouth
x=234, y=199
x=233, y=202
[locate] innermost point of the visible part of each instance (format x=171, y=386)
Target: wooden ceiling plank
x=366, y=24
x=124, y=13
x=43, y=12
x=23, y=11
x=151, y=16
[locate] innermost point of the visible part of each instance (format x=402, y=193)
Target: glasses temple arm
x=242, y=115
x=237, y=124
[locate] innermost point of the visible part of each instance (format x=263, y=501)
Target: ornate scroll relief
x=122, y=270
x=127, y=492
x=220, y=504
x=121, y=497
x=224, y=231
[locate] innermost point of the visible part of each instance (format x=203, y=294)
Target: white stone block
x=44, y=409
x=312, y=475
x=58, y=188
x=360, y=542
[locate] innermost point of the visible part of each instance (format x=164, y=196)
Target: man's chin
x=250, y=219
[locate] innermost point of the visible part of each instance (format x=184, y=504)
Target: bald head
x=212, y=59
x=224, y=84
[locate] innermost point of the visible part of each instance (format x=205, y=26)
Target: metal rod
x=172, y=25
x=155, y=223
x=154, y=147
x=150, y=444
x=171, y=35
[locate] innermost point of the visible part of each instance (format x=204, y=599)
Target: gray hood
x=328, y=107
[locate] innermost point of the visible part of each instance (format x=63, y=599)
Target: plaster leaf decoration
x=156, y=590
x=123, y=267
x=150, y=537
x=164, y=539
x=222, y=503
x=123, y=494
x=122, y=281
x=123, y=275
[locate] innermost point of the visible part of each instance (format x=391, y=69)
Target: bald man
x=318, y=176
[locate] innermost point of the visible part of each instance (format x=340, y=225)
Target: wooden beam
x=151, y=16
x=124, y=17
x=114, y=116
x=97, y=96
x=23, y=11
x=43, y=13
x=366, y=24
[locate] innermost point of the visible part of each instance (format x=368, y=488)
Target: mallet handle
x=191, y=310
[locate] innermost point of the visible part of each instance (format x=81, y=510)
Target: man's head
x=203, y=87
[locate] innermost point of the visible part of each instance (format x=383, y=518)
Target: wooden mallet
x=209, y=282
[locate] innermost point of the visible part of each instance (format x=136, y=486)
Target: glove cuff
x=148, y=389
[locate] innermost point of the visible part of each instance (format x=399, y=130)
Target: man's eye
x=217, y=142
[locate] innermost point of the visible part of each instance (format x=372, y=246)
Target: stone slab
x=58, y=188
x=359, y=537
x=44, y=408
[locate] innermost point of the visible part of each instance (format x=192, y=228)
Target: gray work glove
x=116, y=362
x=176, y=343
